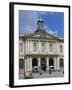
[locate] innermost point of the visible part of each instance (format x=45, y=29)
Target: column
x=31, y=46
x=54, y=48
x=23, y=48
x=28, y=45
x=39, y=47
x=47, y=63
x=57, y=47
x=47, y=47
x=26, y=67
x=27, y=64
x=55, y=63
x=58, y=63
x=30, y=63
x=39, y=62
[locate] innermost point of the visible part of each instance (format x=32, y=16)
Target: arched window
x=51, y=62
x=50, y=46
x=61, y=48
x=43, y=47
x=34, y=62
x=34, y=46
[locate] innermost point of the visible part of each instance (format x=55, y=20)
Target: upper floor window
x=21, y=47
x=34, y=46
x=43, y=47
x=61, y=48
x=50, y=47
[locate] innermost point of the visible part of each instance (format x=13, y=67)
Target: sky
x=53, y=22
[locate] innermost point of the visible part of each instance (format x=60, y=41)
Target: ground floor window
x=61, y=63
x=21, y=63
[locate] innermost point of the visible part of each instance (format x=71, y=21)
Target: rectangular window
x=51, y=47
x=43, y=47
x=61, y=48
x=34, y=46
x=21, y=47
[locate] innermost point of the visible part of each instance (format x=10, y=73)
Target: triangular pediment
x=42, y=34
x=39, y=35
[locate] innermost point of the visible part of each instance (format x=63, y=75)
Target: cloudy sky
x=53, y=21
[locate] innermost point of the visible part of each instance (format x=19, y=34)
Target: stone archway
x=43, y=64
x=34, y=64
x=51, y=63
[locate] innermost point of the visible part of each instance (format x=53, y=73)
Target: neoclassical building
x=41, y=49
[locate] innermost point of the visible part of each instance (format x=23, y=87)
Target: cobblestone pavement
x=43, y=75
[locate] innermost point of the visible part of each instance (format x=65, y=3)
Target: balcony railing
x=43, y=53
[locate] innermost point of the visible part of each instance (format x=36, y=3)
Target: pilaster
x=47, y=63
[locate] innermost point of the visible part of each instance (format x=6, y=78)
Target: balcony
x=43, y=53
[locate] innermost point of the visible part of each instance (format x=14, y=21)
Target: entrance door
x=61, y=63
x=43, y=64
x=51, y=63
x=35, y=65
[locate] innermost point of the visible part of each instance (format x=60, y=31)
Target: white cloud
x=28, y=21
x=55, y=32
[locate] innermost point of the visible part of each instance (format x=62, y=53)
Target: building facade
x=41, y=49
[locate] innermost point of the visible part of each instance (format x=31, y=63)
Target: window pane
x=61, y=48
x=50, y=46
x=21, y=47
x=43, y=47
x=34, y=46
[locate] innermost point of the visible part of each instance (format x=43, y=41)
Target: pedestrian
x=40, y=71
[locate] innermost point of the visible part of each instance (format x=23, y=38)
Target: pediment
x=40, y=35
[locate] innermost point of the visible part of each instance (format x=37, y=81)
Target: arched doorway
x=43, y=64
x=34, y=65
x=51, y=63
x=61, y=63
x=34, y=62
x=21, y=63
